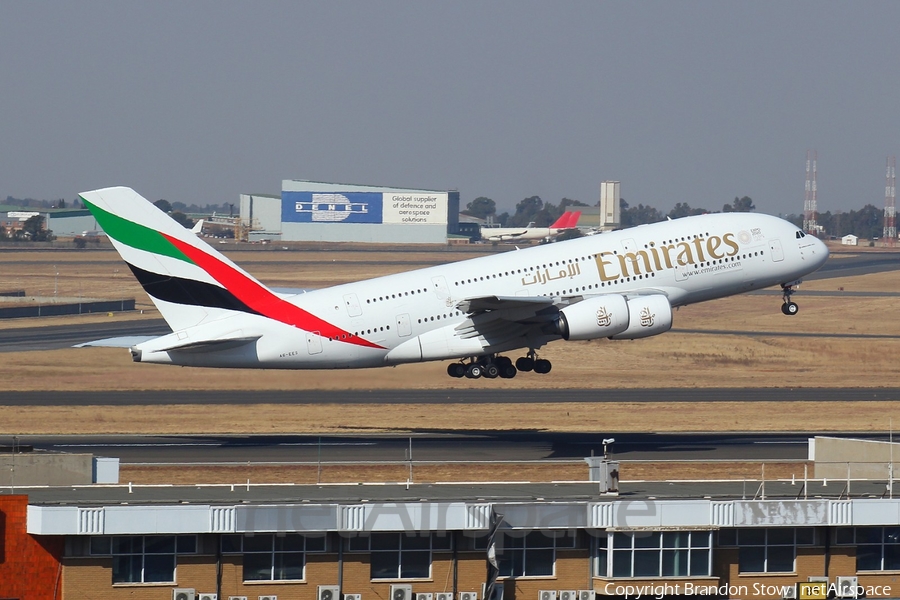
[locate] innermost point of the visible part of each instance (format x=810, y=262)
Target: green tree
x=682, y=209
x=33, y=229
x=567, y=202
x=163, y=205
x=481, y=208
x=638, y=215
x=526, y=210
x=182, y=218
x=744, y=204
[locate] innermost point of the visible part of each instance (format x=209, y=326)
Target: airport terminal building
x=555, y=541
x=334, y=212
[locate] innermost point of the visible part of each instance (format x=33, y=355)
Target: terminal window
x=398, y=555
x=530, y=553
x=654, y=554
x=272, y=557
x=767, y=550
x=877, y=548
x=143, y=558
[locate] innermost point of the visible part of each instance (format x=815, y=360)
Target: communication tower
x=809, y=199
x=890, y=202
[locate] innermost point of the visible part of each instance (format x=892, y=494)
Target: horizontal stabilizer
x=126, y=341
x=210, y=345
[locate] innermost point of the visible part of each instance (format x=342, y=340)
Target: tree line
x=867, y=222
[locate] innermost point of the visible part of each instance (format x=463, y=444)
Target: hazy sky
x=693, y=102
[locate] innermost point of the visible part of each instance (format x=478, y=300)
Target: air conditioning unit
x=328, y=592
x=183, y=594
x=268, y=597
x=468, y=596
x=203, y=596
x=547, y=595
x=587, y=595
x=401, y=592
x=237, y=597
x=352, y=596
x=444, y=596
x=846, y=587
x=790, y=593
x=424, y=596
x=568, y=595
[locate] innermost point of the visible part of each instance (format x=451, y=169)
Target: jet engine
x=647, y=315
x=598, y=317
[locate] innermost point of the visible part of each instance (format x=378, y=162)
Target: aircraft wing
x=499, y=319
x=482, y=304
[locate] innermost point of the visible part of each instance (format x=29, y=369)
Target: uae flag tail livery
x=211, y=304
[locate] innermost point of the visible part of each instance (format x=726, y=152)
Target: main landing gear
x=788, y=307
x=493, y=366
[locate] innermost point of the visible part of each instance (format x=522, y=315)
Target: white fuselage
x=687, y=260
x=517, y=234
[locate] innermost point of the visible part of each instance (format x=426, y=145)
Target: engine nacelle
x=648, y=315
x=598, y=317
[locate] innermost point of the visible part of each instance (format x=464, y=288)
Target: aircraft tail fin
x=567, y=220
x=188, y=280
x=560, y=223
x=573, y=220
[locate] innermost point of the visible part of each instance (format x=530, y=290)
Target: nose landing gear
x=789, y=308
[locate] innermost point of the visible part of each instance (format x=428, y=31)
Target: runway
x=487, y=447
x=439, y=397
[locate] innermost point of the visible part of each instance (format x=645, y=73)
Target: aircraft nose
x=821, y=253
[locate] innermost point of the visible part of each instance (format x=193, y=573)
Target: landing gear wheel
x=491, y=370
x=525, y=363
x=456, y=370
x=508, y=371
x=790, y=308
x=503, y=361
x=542, y=366
x=474, y=371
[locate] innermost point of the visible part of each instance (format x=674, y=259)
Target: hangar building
x=338, y=212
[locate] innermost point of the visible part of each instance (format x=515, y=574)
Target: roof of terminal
x=448, y=492
x=364, y=508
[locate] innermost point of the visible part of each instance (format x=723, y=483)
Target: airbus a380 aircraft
x=619, y=285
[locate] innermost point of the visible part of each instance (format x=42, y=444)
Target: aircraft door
x=313, y=342
x=404, y=327
x=776, y=251
x=628, y=245
x=352, y=304
x=439, y=285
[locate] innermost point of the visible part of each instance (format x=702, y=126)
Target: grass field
x=676, y=359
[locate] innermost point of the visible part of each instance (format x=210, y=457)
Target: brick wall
x=29, y=567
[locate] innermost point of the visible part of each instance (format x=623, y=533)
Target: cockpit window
x=799, y=234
